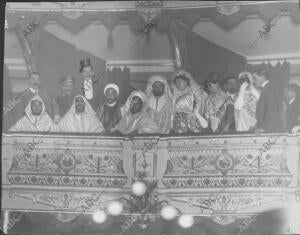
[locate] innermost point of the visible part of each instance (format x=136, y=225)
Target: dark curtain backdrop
x=57, y=58
x=200, y=57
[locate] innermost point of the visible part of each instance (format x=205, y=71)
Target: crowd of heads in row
x=245, y=103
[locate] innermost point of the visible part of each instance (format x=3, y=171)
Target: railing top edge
x=141, y=137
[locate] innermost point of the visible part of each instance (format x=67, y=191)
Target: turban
x=113, y=86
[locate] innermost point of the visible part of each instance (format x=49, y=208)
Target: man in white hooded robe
x=36, y=119
x=160, y=104
x=81, y=118
x=135, y=118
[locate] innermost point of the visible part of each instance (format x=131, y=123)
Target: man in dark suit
x=89, y=85
x=291, y=106
x=269, y=106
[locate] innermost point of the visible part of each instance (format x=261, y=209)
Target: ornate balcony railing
x=233, y=176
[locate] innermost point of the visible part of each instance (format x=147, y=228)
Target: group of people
x=246, y=103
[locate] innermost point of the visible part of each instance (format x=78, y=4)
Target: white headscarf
x=158, y=78
x=165, y=98
x=126, y=107
x=199, y=95
x=113, y=86
x=30, y=122
x=81, y=122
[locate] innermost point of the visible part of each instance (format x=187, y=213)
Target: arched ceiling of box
x=188, y=16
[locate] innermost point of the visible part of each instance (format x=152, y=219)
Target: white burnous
x=168, y=212
x=139, y=188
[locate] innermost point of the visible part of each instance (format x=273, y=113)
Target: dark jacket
x=269, y=109
x=291, y=114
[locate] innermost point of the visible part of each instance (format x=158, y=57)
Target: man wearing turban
x=36, y=118
x=159, y=101
x=81, y=118
x=110, y=113
x=136, y=119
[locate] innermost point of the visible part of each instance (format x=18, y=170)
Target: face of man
x=111, y=95
x=158, y=88
x=232, y=86
x=136, y=105
x=79, y=105
x=87, y=73
x=213, y=88
x=35, y=81
x=36, y=107
x=181, y=84
x=258, y=80
x=67, y=87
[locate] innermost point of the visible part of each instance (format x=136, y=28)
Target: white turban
x=113, y=86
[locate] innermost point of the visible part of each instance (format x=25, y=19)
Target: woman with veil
x=188, y=102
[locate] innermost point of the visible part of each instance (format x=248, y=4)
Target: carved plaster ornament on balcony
x=53, y=167
x=228, y=8
x=71, y=10
x=191, y=167
x=225, y=208
x=63, y=201
x=149, y=10
x=224, y=162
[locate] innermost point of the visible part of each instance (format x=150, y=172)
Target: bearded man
x=81, y=118
x=36, y=118
x=160, y=103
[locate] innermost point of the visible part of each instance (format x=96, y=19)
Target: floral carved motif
x=67, y=168
x=202, y=169
x=225, y=208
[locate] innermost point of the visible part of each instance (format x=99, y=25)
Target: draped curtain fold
x=200, y=56
x=111, y=19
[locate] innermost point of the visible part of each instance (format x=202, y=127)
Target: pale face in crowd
x=136, y=105
x=35, y=81
x=181, y=83
x=258, y=80
x=158, y=88
x=36, y=107
x=67, y=87
x=87, y=73
x=79, y=105
x=111, y=95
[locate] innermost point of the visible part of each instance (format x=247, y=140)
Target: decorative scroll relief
x=225, y=208
x=67, y=167
x=63, y=201
x=219, y=167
